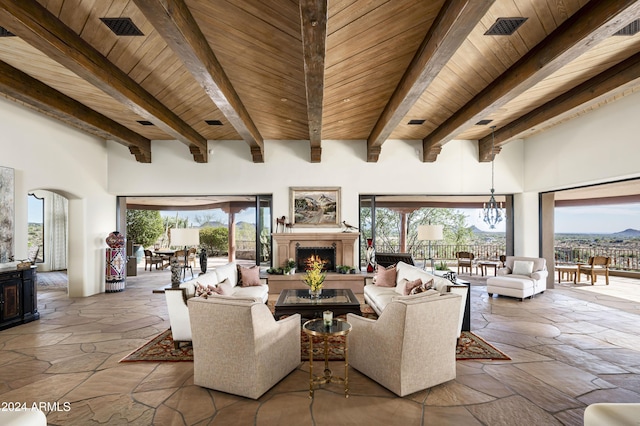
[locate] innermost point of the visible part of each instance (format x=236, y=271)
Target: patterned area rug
x=160, y=349
x=475, y=347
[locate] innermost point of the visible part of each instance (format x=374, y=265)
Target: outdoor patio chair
x=150, y=259
x=598, y=265
x=180, y=257
x=465, y=261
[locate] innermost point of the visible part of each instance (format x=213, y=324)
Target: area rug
x=472, y=347
x=160, y=349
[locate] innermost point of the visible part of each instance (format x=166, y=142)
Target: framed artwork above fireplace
x=315, y=206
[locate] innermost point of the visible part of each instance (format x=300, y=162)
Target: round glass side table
x=338, y=327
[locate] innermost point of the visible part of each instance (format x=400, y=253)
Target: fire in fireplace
x=305, y=256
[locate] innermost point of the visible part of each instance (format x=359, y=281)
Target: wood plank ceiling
x=312, y=70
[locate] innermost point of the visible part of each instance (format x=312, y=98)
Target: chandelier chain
x=492, y=211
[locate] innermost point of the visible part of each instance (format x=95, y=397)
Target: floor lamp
x=430, y=233
x=185, y=237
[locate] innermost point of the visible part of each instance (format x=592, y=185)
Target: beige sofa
x=412, y=345
x=239, y=348
x=177, y=298
x=379, y=297
x=230, y=273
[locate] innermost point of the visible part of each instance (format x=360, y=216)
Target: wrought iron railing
x=627, y=259
x=445, y=252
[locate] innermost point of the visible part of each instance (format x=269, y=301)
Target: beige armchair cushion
x=178, y=315
x=239, y=348
x=412, y=345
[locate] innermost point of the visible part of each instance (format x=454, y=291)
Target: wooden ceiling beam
x=24, y=88
x=625, y=73
x=454, y=23
x=175, y=23
x=579, y=33
x=313, y=17
x=41, y=29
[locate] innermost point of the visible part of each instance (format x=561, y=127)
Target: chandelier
x=492, y=211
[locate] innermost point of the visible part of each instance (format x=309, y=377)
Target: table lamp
x=185, y=237
x=430, y=233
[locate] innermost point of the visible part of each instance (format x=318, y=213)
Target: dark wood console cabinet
x=18, y=297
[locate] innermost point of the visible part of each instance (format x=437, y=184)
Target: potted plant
x=289, y=267
x=442, y=266
x=314, y=278
x=343, y=269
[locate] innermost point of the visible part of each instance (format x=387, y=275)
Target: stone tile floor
x=570, y=347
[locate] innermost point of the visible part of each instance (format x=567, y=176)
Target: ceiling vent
x=122, y=26
x=505, y=26
x=6, y=33
x=483, y=122
x=145, y=123
x=629, y=30
x=213, y=122
x=416, y=122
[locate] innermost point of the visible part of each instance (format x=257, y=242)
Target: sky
x=597, y=219
x=248, y=215
x=579, y=220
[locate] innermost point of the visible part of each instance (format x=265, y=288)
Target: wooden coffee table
x=340, y=301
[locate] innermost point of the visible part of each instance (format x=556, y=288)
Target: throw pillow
x=223, y=288
x=204, y=291
x=522, y=267
x=411, y=285
x=422, y=287
x=385, y=277
x=249, y=276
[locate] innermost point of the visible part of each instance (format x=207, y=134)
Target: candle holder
x=327, y=317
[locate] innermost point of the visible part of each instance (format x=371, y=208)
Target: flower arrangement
x=314, y=276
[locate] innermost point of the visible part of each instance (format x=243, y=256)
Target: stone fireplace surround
x=344, y=243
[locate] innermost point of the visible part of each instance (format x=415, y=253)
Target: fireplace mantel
x=344, y=242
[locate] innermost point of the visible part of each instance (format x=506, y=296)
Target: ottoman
x=519, y=286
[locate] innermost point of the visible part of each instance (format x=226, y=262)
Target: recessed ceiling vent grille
x=6, y=33
x=122, y=26
x=213, y=122
x=629, y=30
x=483, y=122
x=416, y=122
x=505, y=26
x=145, y=123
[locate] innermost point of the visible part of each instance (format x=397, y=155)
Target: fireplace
x=342, y=243
x=307, y=255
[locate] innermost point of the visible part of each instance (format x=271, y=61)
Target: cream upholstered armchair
x=412, y=345
x=178, y=315
x=521, y=277
x=239, y=348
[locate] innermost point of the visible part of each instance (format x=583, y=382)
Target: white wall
x=601, y=146
x=48, y=155
x=231, y=171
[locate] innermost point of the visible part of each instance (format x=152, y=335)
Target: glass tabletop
x=328, y=297
x=316, y=327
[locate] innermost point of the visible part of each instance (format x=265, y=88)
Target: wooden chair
x=150, y=259
x=191, y=257
x=465, y=260
x=598, y=265
x=180, y=255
